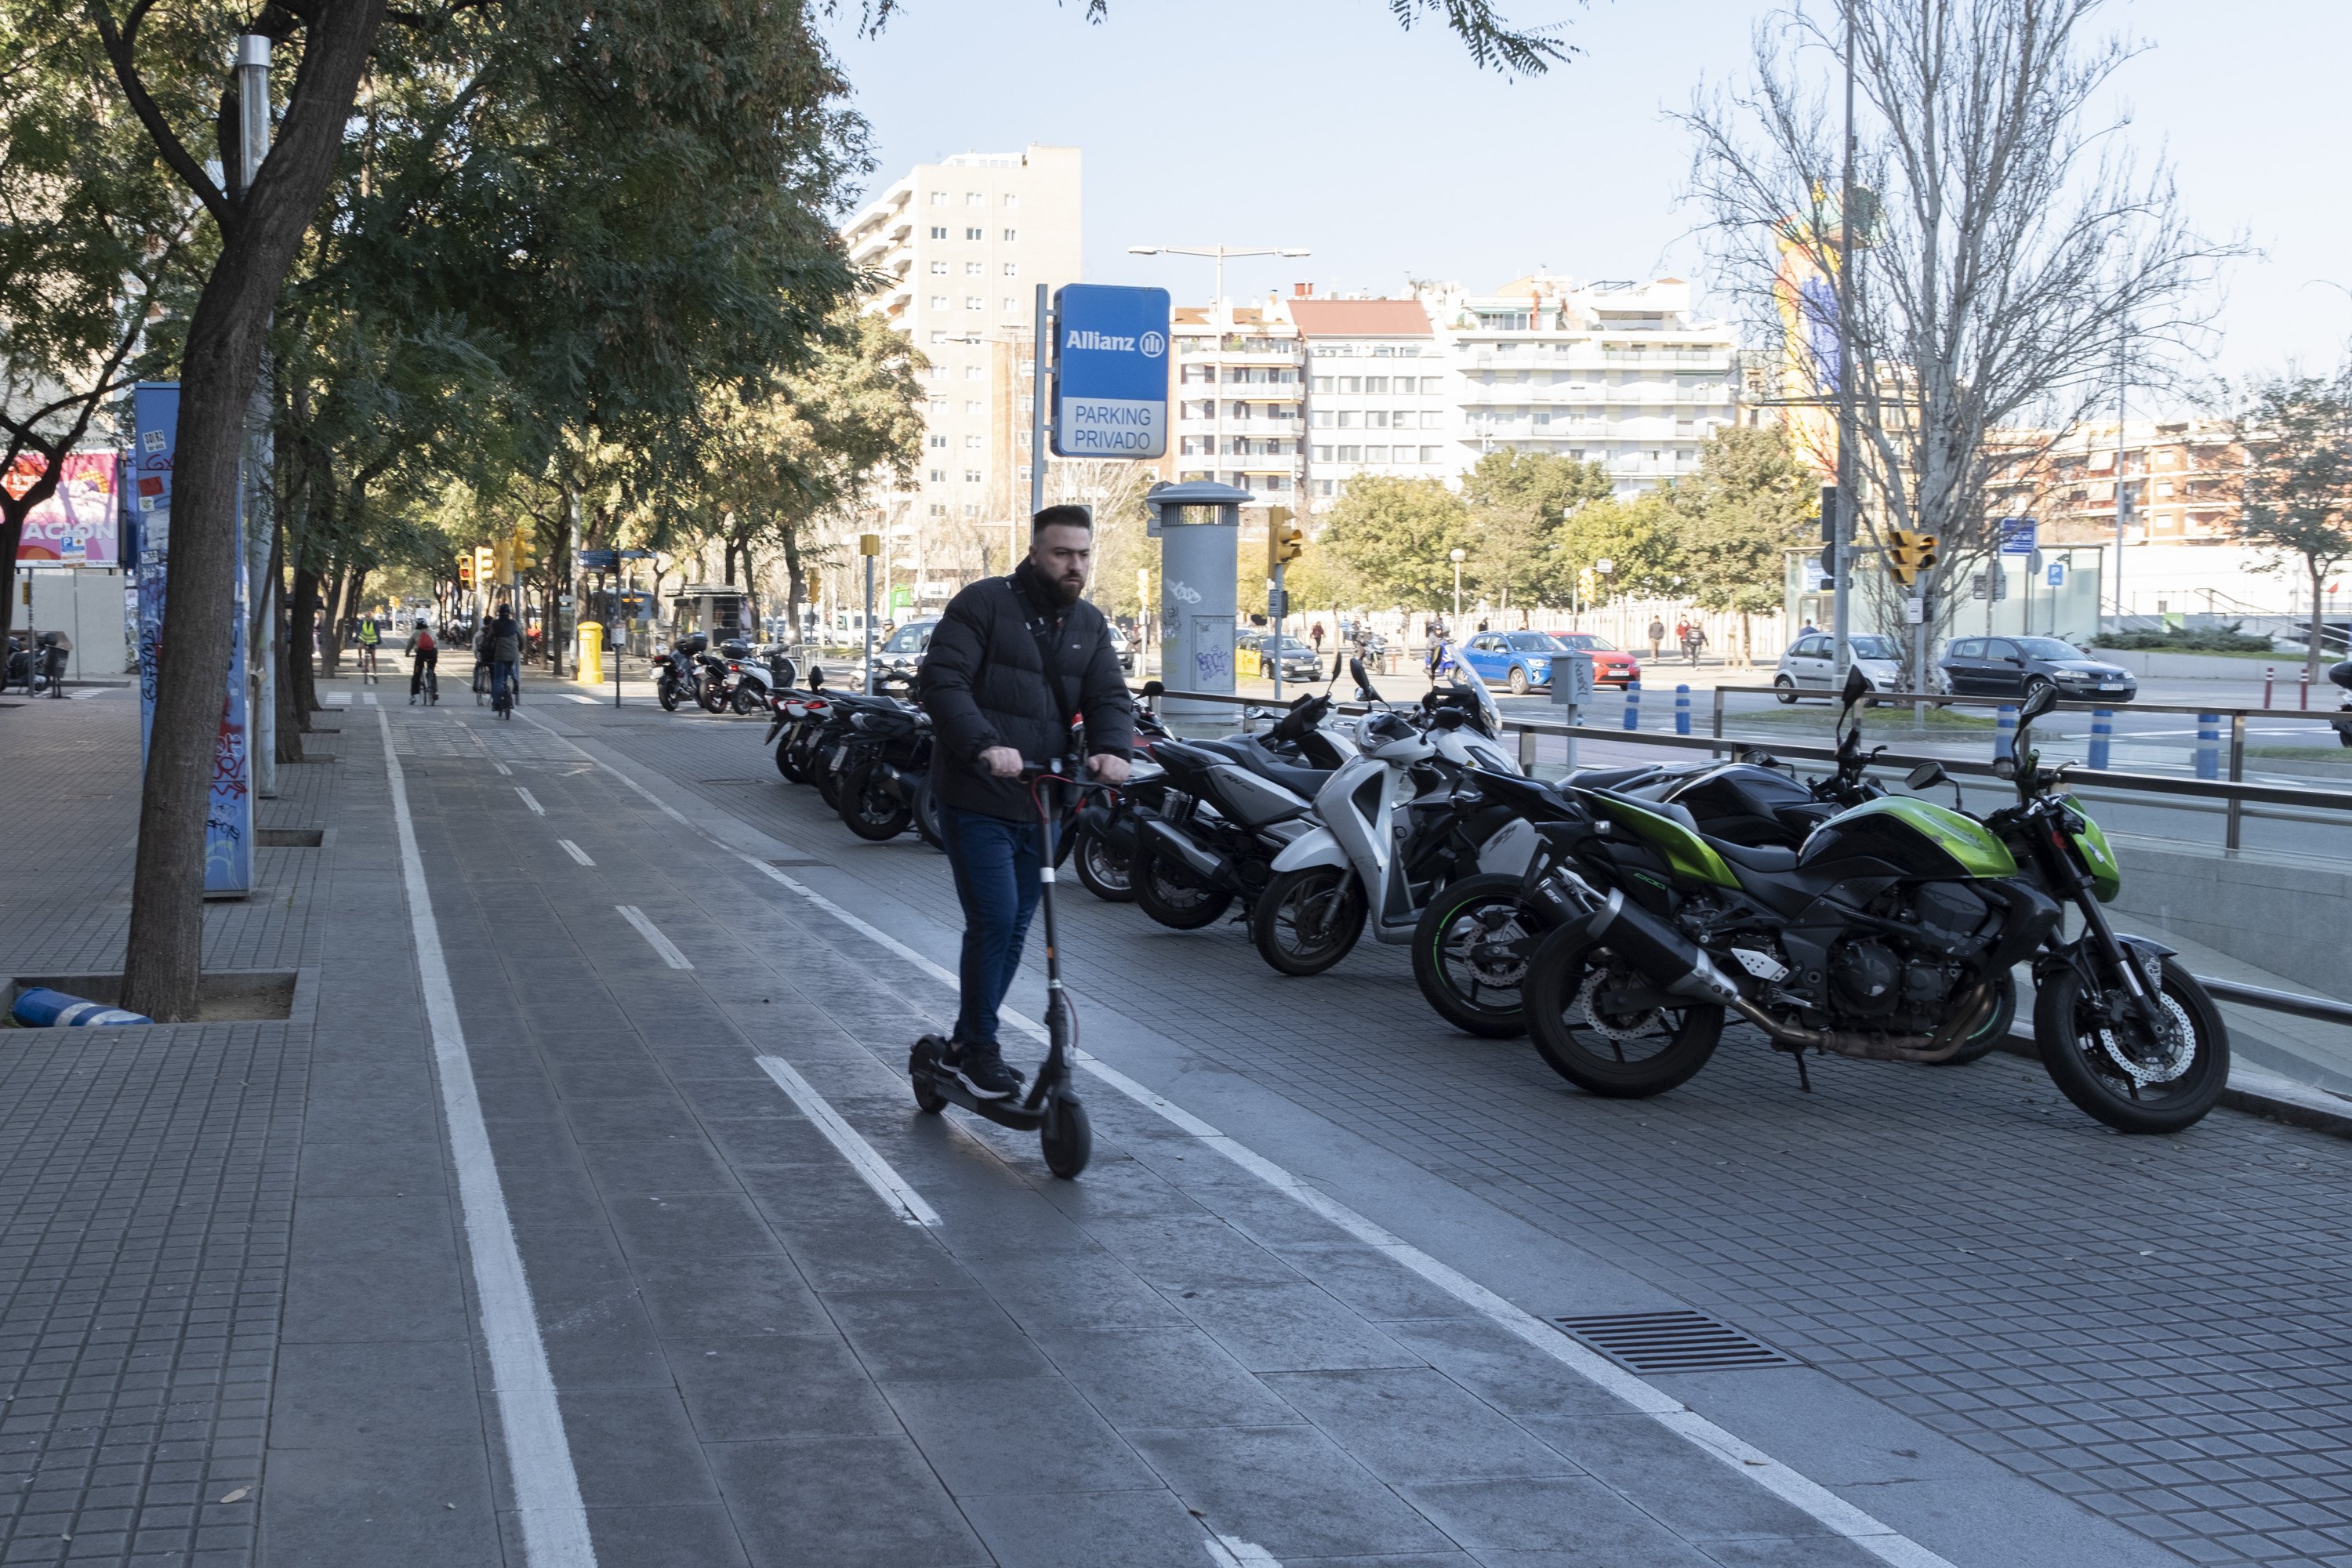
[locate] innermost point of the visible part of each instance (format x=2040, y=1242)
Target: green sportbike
x=1890, y=935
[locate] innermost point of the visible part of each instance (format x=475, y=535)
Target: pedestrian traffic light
x=1909, y=554
x=1285, y=540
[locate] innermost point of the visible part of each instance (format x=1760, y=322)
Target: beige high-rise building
x=965, y=243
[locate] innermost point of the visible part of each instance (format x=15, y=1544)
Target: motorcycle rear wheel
x=1672, y=1047
x=1106, y=873
x=713, y=699
x=1173, y=900
x=1307, y=920
x=867, y=809
x=784, y=759
x=1480, y=995
x=928, y=825
x=2075, y=1055
x=666, y=693
x=828, y=782
x=745, y=701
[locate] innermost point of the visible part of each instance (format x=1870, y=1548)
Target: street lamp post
x=1457, y=555
x=1216, y=252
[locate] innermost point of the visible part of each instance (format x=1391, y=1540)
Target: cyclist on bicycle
x=424, y=656
x=369, y=635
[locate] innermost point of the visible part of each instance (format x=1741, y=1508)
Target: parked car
x=2019, y=667
x=1520, y=660
x=1263, y=649
x=1610, y=667
x=1810, y=664
x=1123, y=646
x=901, y=654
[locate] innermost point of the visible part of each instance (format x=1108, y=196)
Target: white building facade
x=963, y=244
x=1239, y=389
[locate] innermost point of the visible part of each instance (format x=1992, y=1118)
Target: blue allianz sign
x=1111, y=372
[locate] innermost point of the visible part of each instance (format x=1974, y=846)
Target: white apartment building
x=1239, y=391
x=1380, y=393
x=1619, y=373
x=963, y=244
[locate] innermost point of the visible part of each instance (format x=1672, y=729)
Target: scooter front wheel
x=1308, y=919
x=1067, y=1137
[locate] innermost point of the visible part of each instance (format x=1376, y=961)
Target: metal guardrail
x=2323, y=1009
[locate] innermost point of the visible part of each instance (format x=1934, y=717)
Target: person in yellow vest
x=371, y=634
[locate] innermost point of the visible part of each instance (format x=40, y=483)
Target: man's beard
x=1068, y=591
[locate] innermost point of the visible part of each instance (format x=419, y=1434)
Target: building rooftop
x=1361, y=318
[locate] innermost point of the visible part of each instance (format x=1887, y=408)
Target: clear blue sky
x=1322, y=123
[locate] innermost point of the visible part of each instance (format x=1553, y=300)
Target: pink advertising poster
x=80, y=525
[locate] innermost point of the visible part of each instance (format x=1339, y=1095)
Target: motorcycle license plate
x=838, y=752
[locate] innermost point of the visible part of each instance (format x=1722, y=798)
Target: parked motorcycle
x=884, y=770
x=41, y=667
x=721, y=676
x=678, y=675
x=761, y=675
x=2341, y=674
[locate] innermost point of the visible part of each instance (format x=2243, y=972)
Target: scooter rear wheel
x=928, y=1100
x=1067, y=1138
x=1173, y=901
x=1106, y=873
x=1308, y=919
x=666, y=693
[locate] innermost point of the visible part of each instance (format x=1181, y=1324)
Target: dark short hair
x=1062, y=517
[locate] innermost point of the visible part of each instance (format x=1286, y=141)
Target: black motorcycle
x=884, y=773
x=41, y=667
x=676, y=675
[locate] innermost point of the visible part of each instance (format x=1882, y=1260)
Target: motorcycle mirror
x=2043, y=699
x=816, y=678
x=1154, y=689
x=1857, y=685
x=1927, y=776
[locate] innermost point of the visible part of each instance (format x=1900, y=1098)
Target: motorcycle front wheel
x=1470, y=954
x=1105, y=872
x=928, y=825
x=828, y=782
x=2094, y=1062
x=1165, y=892
x=1598, y=1043
x=1308, y=919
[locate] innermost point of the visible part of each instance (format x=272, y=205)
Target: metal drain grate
x=800, y=862
x=1673, y=1342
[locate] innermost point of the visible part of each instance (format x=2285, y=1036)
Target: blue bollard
x=2209, y=745
x=2103, y=726
x=1682, y=709
x=2004, y=733
x=1632, y=705
x=38, y=1007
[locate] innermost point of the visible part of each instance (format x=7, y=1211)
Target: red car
x=1610, y=667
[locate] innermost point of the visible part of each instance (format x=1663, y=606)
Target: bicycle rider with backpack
x=424, y=656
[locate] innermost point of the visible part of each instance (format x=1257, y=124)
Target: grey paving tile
x=635, y=1447
x=1790, y=1552
x=1501, y=1369
x=668, y=1166
x=1563, y=1518
x=1101, y=1530
x=1022, y=1436
x=1286, y=1326
x=814, y=1500
x=1691, y=1492
x=677, y=1537
x=655, y=1228
x=1166, y=1377
x=739, y=1389
x=916, y=1335
x=418, y=1300
x=741, y=1295
x=344, y=1394
x=1290, y=1490
x=386, y=1504
x=1371, y=1282
x=1083, y=1289
x=1415, y=1424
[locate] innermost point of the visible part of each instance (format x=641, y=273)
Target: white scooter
x=1393, y=829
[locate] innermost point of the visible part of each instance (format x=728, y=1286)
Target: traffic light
x=1285, y=540
x=1829, y=514
x=1588, y=584
x=502, y=561
x=465, y=570
x=1908, y=555
x=485, y=566
x=815, y=589
x=526, y=551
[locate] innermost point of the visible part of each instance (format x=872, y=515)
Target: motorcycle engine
x=1897, y=984
x=1866, y=978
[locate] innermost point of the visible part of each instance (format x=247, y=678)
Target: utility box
x=1199, y=526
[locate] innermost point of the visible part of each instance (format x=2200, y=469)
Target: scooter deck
x=1013, y=1112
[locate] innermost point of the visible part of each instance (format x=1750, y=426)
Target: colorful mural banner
x=228, y=815
x=78, y=525
x=1805, y=290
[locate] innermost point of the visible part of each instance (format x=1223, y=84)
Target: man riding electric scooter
x=1012, y=661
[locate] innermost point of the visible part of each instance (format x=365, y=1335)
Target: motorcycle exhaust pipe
x=1214, y=870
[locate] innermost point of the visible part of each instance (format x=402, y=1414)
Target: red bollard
x=2270, y=673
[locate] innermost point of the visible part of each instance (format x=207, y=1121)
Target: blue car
x=1519, y=660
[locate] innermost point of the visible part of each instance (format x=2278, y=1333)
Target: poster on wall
x=228, y=815
x=78, y=525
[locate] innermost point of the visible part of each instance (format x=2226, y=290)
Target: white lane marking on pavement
x=664, y=807
x=891, y=1186
x=1879, y=1539
x=539, y=1460
x=336, y=699
x=669, y=951
x=530, y=800
x=370, y=698
x=575, y=852
x=1231, y=1552
x=504, y=771
x=578, y=698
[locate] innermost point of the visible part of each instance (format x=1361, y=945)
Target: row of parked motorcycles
x=37, y=664
x=734, y=678
x=1619, y=916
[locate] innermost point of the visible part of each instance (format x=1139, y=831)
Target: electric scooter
x=1050, y=1107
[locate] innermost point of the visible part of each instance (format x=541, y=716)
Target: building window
x=974, y=302
x=937, y=373
x=1401, y=419
x=1431, y=419
x=938, y=405
x=939, y=231
x=1376, y=384
x=938, y=475
x=1432, y=454
x=1195, y=446
x=1011, y=200
x=939, y=301
x=974, y=199
x=1376, y=454
x=1011, y=235
x=1351, y=383
x=940, y=442
x=1376, y=419
x=1010, y=304
x=1350, y=419
x=971, y=508
x=1012, y=269
x=1322, y=454
x=1321, y=384
x=972, y=372
x=975, y=234
x=938, y=337
x=971, y=476
x=1321, y=418
x=939, y=198
x=1324, y=487
x=972, y=269
x=1237, y=411
x=1194, y=374
x=971, y=443
x=1352, y=454
x=938, y=509
x=972, y=405
x=939, y=268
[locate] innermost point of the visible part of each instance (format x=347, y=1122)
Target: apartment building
x=963, y=245
x=2180, y=481
x=1380, y=392
x=1239, y=388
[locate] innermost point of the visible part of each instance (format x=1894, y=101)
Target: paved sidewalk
x=254, y=1260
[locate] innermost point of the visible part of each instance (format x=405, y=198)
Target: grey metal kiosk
x=1199, y=526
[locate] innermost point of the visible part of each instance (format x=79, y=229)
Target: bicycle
x=367, y=664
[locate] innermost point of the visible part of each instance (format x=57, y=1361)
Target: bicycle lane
x=1344, y=1260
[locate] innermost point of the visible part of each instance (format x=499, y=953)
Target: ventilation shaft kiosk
x=1199, y=526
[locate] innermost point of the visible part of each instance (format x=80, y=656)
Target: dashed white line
x=504, y=771
x=887, y=1183
x=577, y=698
x=539, y=1458
x=575, y=852
x=652, y=933
x=1879, y=1539
x=530, y=800
x=369, y=697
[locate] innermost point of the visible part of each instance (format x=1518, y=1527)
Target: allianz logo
x=1152, y=345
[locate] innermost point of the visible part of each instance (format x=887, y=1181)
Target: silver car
x=1810, y=664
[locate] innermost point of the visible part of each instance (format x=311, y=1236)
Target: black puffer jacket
x=984, y=685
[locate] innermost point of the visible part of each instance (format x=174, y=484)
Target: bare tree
x=2010, y=242
x=2296, y=492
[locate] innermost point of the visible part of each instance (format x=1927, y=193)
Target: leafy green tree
x=1517, y=503
x=1395, y=539
x=2295, y=496
x=1750, y=501
x=1639, y=538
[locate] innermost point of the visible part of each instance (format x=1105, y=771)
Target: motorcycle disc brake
x=1494, y=945
x=2175, y=1048
x=1627, y=1027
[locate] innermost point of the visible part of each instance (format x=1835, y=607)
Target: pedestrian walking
x=1657, y=636
x=371, y=633
x=1012, y=660
x=1315, y=636
x=423, y=655
x=1694, y=640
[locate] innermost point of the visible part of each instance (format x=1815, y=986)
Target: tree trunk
x=793, y=587
x=304, y=606
x=11, y=531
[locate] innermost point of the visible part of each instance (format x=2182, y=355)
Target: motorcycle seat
x=1756, y=856
x=1299, y=780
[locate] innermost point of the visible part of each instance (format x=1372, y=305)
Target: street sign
x=2000, y=581
x=600, y=560
x=2057, y=576
x=1913, y=613
x=2017, y=535
x=1277, y=602
x=1111, y=372
x=1977, y=590
x=636, y=554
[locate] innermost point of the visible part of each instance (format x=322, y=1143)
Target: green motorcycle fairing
x=2098, y=854
x=1687, y=854
x=1924, y=838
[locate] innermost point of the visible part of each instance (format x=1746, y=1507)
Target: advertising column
x=228, y=815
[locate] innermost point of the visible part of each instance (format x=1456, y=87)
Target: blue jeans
x=996, y=865
x=502, y=678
